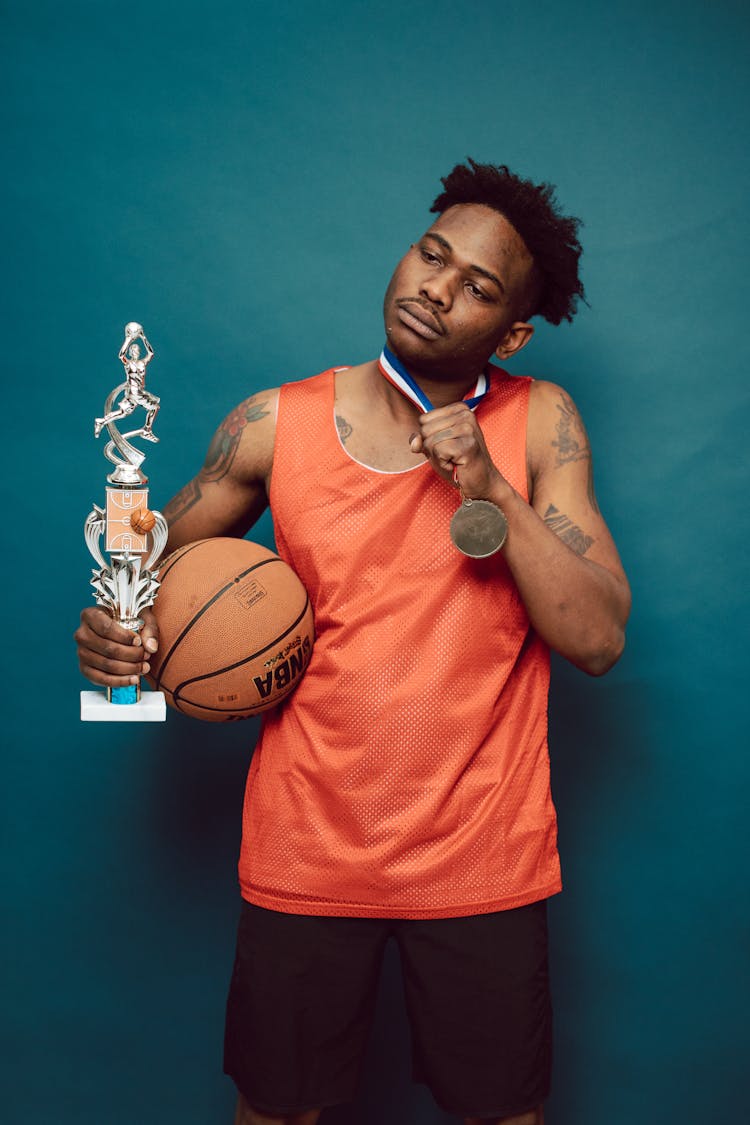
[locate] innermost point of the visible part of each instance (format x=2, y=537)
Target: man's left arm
x=559, y=549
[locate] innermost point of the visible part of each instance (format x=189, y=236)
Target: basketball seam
x=238, y=664
x=204, y=608
x=171, y=560
x=182, y=705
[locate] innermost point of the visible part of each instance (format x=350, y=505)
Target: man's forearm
x=576, y=605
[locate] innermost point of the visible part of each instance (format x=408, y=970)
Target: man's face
x=455, y=297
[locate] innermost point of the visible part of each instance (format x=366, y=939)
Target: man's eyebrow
x=474, y=269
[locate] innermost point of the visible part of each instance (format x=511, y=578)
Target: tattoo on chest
x=568, y=531
x=182, y=502
x=344, y=429
x=224, y=444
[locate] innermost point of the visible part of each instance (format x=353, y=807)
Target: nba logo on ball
x=285, y=668
x=235, y=630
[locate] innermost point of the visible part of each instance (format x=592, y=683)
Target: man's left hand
x=452, y=441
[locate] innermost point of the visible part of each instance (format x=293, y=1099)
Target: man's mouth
x=420, y=319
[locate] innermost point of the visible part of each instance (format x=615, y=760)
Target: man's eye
x=477, y=292
x=427, y=256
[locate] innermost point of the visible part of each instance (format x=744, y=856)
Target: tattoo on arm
x=573, y=444
x=226, y=440
x=182, y=502
x=344, y=429
x=566, y=530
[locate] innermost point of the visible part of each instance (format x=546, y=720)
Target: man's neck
x=438, y=390
x=442, y=392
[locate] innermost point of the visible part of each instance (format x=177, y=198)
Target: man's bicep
x=563, y=479
x=230, y=491
x=242, y=447
x=203, y=509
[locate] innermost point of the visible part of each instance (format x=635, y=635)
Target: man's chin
x=438, y=364
x=423, y=358
x=411, y=348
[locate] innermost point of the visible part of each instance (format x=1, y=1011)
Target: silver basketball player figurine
x=134, y=394
x=134, y=536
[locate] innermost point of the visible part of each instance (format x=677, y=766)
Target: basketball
x=235, y=630
x=142, y=521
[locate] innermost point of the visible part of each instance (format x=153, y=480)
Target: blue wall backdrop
x=240, y=177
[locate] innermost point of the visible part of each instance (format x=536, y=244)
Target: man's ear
x=517, y=337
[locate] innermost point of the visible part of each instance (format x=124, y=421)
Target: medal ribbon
x=478, y=528
x=394, y=371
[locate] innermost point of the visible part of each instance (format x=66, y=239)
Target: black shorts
x=303, y=993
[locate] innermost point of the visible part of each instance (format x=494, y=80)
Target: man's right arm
x=226, y=498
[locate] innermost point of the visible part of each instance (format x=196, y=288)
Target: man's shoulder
x=544, y=394
x=548, y=401
x=350, y=384
x=556, y=433
x=318, y=378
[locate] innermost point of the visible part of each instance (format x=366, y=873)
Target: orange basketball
x=142, y=521
x=235, y=630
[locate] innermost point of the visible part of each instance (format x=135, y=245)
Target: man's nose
x=439, y=289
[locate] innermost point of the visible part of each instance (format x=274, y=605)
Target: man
x=403, y=790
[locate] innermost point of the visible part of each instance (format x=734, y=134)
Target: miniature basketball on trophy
x=235, y=630
x=142, y=521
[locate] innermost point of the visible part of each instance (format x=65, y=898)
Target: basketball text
x=285, y=672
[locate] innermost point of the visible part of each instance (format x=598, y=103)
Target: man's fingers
x=150, y=631
x=447, y=450
x=96, y=622
x=451, y=438
x=108, y=669
x=108, y=654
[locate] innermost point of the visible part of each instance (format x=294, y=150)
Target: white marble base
x=150, y=708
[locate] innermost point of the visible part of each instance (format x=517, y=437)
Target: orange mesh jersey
x=408, y=775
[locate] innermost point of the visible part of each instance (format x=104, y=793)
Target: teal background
x=241, y=178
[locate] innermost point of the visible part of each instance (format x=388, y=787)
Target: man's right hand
x=111, y=656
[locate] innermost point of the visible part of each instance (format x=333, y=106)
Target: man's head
x=466, y=290
x=551, y=238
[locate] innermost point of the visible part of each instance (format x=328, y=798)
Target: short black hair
x=551, y=238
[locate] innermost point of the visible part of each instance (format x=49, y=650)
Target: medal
x=479, y=527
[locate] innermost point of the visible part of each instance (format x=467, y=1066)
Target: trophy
x=134, y=536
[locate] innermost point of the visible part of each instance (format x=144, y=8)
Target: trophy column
x=125, y=582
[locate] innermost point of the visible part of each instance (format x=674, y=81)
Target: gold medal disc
x=478, y=528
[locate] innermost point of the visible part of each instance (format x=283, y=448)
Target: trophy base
x=96, y=708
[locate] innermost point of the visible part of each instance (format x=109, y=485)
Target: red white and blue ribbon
x=394, y=371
